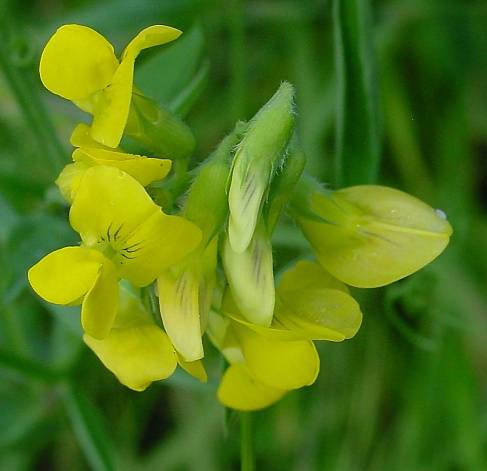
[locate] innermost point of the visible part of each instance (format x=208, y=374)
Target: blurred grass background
x=409, y=84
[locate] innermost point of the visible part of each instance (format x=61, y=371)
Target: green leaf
x=89, y=429
x=357, y=131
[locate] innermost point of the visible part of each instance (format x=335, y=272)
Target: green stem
x=247, y=461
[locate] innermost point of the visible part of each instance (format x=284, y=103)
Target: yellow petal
x=160, y=242
x=275, y=331
x=251, y=278
x=112, y=106
x=81, y=137
x=145, y=170
x=320, y=314
x=77, y=62
x=315, y=305
x=110, y=205
x=65, y=275
x=137, y=355
x=194, y=368
x=377, y=234
x=238, y=390
x=100, y=303
x=308, y=275
x=278, y=363
x=69, y=179
x=151, y=36
x=179, y=305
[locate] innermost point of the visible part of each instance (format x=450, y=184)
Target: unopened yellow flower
x=369, y=236
x=124, y=235
x=90, y=153
x=80, y=65
x=268, y=361
x=250, y=275
x=185, y=294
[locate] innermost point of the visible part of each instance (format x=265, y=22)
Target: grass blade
x=357, y=131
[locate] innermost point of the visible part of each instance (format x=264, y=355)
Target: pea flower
x=89, y=153
x=124, y=235
x=266, y=362
x=369, y=236
x=79, y=64
x=137, y=351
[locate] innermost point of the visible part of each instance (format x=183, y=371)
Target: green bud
x=255, y=162
x=250, y=276
x=158, y=129
x=207, y=204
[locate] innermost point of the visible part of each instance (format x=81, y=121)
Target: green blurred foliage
x=408, y=393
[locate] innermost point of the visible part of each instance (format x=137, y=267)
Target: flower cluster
x=146, y=272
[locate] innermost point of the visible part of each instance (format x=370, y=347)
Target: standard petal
x=100, y=304
x=112, y=106
x=179, y=306
x=238, y=390
x=377, y=235
x=109, y=206
x=158, y=243
x=151, y=36
x=145, y=170
x=77, y=62
x=278, y=363
x=137, y=355
x=65, y=275
x=320, y=314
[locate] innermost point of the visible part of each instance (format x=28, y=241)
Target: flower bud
x=257, y=158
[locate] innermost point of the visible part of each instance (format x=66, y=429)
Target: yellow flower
x=369, y=236
x=268, y=361
x=80, y=65
x=90, y=153
x=124, y=235
x=136, y=350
